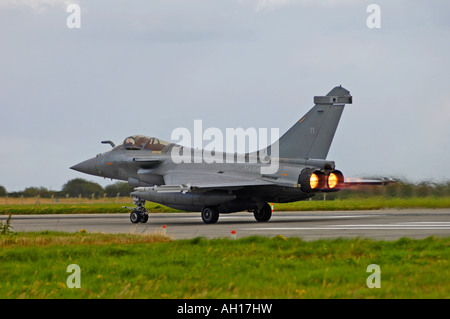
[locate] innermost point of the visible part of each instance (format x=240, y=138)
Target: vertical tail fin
x=312, y=135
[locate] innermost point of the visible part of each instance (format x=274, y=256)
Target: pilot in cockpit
x=138, y=142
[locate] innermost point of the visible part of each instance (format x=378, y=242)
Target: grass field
x=75, y=206
x=33, y=265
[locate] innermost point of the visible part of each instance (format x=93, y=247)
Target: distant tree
x=120, y=187
x=81, y=186
x=35, y=191
x=423, y=189
x=442, y=189
x=3, y=191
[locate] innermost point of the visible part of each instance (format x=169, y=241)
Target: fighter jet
x=219, y=187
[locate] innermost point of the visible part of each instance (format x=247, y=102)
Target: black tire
x=263, y=214
x=210, y=215
x=135, y=217
x=144, y=218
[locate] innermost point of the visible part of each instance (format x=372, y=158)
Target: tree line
x=79, y=186
x=73, y=188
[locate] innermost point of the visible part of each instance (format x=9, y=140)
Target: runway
x=382, y=224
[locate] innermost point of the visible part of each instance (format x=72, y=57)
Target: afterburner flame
x=314, y=181
x=333, y=180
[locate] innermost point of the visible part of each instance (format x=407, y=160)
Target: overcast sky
x=148, y=67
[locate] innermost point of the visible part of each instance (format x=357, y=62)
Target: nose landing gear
x=139, y=213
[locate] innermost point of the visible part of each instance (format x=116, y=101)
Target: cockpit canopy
x=141, y=142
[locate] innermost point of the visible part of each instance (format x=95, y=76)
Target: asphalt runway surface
x=380, y=224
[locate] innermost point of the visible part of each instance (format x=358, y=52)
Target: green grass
x=85, y=208
x=33, y=265
x=369, y=203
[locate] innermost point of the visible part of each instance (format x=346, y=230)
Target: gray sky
x=148, y=67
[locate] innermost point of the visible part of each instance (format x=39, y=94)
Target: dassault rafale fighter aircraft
x=213, y=187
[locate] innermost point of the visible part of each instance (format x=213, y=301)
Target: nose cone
x=88, y=167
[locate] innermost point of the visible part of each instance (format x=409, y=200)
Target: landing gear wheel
x=139, y=213
x=264, y=213
x=135, y=217
x=210, y=215
x=144, y=218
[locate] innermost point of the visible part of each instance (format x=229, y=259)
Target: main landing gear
x=262, y=214
x=210, y=215
x=139, y=213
